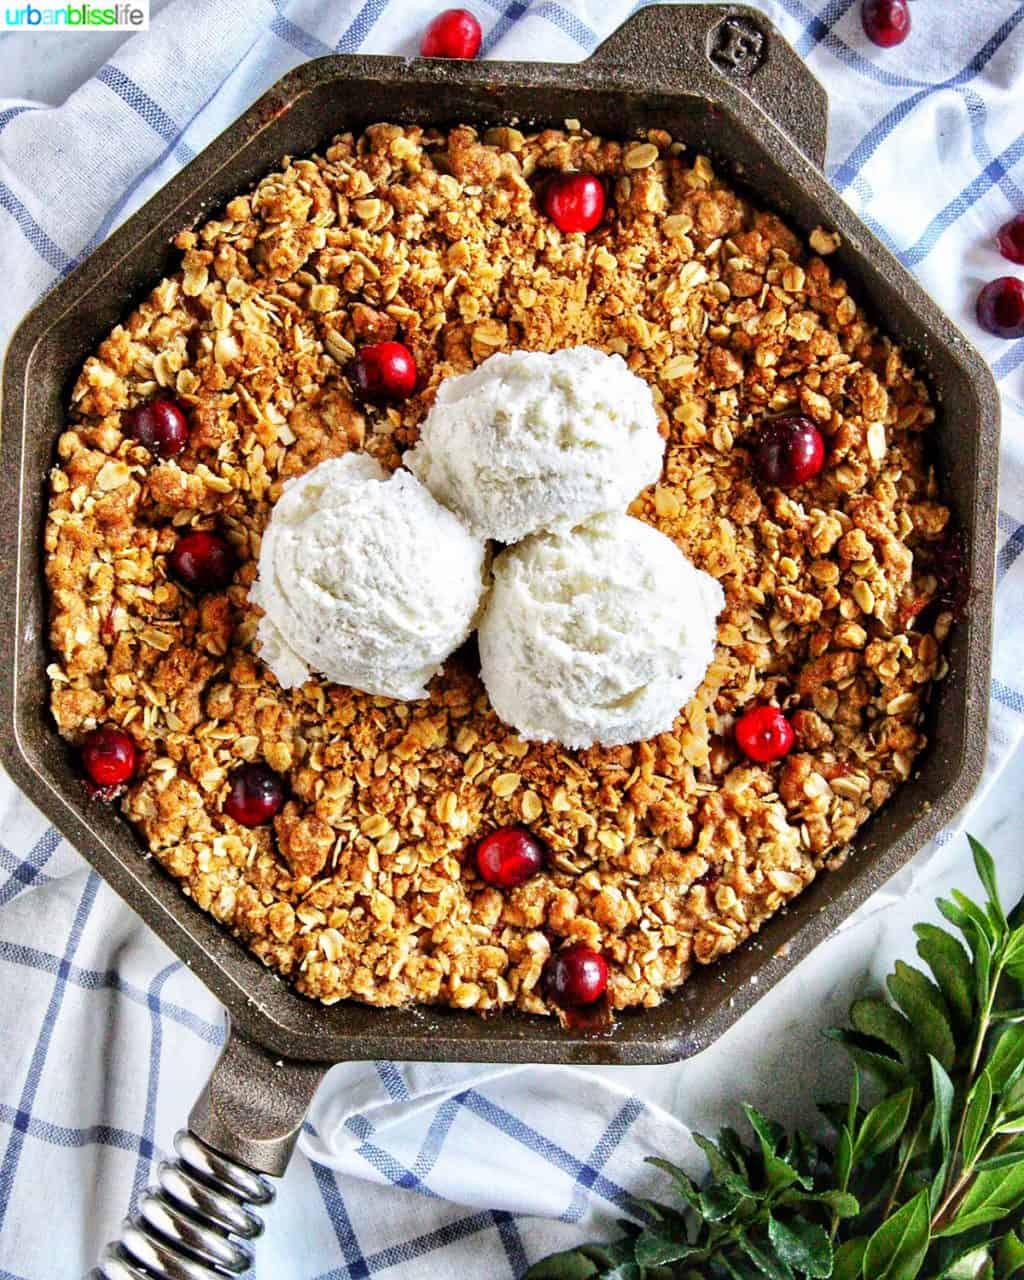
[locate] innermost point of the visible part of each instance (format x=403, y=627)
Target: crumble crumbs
x=665, y=854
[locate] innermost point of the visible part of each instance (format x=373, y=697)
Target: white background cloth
x=106, y=1039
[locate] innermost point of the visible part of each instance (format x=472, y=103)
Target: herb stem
x=890, y=1203
x=984, y=1022
x=951, y=1198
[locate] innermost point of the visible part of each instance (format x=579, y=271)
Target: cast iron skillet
x=720, y=79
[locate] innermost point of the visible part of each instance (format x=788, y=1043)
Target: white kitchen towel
x=407, y=1170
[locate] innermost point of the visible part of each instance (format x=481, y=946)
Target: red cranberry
x=574, y=201
x=1011, y=239
x=576, y=976
x=453, y=34
x=159, y=426
x=886, y=22
x=256, y=794
x=789, y=451
x=109, y=757
x=948, y=562
x=1001, y=307
x=764, y=734
x=508, y=856
x=202, y=561
x=384, y=371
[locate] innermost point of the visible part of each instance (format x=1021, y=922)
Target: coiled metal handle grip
x=195, y=1224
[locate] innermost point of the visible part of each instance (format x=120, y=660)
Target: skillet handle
x=198, y=1222
x=705, y=43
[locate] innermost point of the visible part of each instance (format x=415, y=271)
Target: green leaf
x=672, y=1219
x=883, y=1126
x=1013, y=957
x=897, y=1249
x=773, y=1268
x=721, y=1170
x=718, y=1202
x=874, y=1018
x=1014, y=947
x=778, y=1172
x=654, y=1250
x=853, y=1105
x=976, y=916
x=925, y=1008
x=735, y=1150
x=942, y=1094
x=986, y=870
x=844, y=1157
x=976, y=1111
x=573, y=1264
x=1012, y=1154
x=992, y=1194
x=1007, y=1015
x=804, y=1246
x=981, y=950
x=1006, y=1061
x=952, y=969
x=890, y=1073
x=849, y=1260
x=1010, y=1256
x=768, y=1132
x=840, y=1203
x=952, y=912
x=682, y=1182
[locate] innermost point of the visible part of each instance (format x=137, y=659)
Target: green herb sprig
x=924, y=1178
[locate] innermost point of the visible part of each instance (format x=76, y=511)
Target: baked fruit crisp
x=340, y=835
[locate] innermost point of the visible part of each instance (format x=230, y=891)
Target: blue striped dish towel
x=403, y=1169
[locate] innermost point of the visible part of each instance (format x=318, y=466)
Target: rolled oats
x=666, y=853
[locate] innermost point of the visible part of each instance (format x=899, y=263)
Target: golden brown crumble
x=664, y=854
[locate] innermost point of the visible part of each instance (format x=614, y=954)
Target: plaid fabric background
x=106, y=1039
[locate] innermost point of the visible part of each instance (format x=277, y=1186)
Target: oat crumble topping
x=664, y=854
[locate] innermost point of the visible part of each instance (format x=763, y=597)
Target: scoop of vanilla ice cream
x=596, y=634
x=532, y=440
x=366, y=579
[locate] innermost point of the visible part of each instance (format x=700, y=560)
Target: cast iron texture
x=719, y=78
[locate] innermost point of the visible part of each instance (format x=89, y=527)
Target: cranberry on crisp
x=109, y=757
x=384, y=371
x=1011, y=239
x=1001, y=307
x=202, y=561
x=789, y=451
x=764, y=734
x=453, y=34
x=255, y=795
x=576, y=976
x=886, y=22
x=509, y=857
x=947, y=560
x=574, y=201
x=158, y=426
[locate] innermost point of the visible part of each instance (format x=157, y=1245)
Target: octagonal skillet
x=721, y=80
